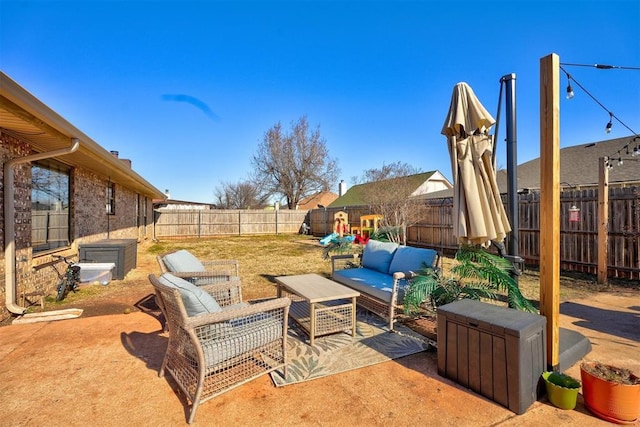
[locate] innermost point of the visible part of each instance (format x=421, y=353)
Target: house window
x=50, y=183
x=111, y=198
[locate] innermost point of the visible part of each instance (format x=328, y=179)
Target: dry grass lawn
x=261, y=259
x=264, y=257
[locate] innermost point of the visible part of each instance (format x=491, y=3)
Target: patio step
x=573, y=347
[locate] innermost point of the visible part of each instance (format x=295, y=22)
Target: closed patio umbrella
x=478, y=213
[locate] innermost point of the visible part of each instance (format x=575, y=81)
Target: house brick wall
x=89, y=221
x=10, y=148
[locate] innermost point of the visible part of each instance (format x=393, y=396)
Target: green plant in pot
x=562, y=389
x=610, y=392
x=477, y=274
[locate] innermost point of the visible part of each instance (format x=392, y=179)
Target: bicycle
x=69, y=280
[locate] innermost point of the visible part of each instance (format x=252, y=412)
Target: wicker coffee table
x=320, y=306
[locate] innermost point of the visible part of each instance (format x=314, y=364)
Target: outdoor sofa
x=381, y=273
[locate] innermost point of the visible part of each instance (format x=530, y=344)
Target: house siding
x=89, y=221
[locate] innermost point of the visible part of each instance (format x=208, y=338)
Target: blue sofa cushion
x=407, y=258
x=182, y=261
x=377, y=255
x=370, y=282
x=196, y=301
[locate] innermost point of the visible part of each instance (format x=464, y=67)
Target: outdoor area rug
x=340, y=352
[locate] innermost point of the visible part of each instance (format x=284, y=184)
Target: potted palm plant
x=610, y=392
x=477, y=275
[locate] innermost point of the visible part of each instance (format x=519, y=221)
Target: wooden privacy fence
x=190, y=223
x=578, y=229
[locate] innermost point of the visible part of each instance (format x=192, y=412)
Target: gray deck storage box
x=122, y=252
x=495, y=351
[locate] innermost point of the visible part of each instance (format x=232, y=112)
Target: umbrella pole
x=497, y=128
x=512, y=164
x=513, y=256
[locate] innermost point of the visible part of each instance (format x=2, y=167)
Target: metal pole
x=512, y=164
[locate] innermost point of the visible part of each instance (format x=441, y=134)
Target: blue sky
x=186, y=90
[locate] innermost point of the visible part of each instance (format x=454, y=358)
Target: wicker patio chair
x=184, y=264
x=211, y=353
x=183, y=261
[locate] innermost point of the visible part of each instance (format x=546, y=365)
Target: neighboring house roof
x=182, y=204
x=324, y=198
x=421, y=183
x=29, y=119
x=578, y=167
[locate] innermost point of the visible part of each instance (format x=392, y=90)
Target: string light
x=601, y=66
x=569, y=87
x=625, y=149
x=609, y=125
x=636, y=148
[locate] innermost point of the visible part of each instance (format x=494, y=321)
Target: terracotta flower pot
x=611, y=401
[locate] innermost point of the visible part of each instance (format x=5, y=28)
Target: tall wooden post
x=550, y=203
x=603, y=220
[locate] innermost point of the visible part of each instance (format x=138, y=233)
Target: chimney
x=114, y=153
x=342, y=188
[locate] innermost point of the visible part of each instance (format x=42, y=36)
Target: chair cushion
x=241, y=336
x=182, y=261
x=377, y=255
x=407, y=258
x=196, y=301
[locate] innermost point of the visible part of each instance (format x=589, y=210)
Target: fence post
x=603, y=220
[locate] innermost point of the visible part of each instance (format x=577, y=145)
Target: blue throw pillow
x=182, y=261
x=196, y=301
x=377, y=255
x=408, y=259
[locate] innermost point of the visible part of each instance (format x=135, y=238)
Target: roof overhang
x=28, y=119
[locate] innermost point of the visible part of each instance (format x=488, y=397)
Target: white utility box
x=101, y=272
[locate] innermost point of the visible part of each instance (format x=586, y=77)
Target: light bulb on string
x=569, y=89
x=620, y=161
x=610, y=124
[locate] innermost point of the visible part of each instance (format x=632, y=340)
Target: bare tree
x=240, y=195
x=295, y=164
x=387, y=171
x=387, y=192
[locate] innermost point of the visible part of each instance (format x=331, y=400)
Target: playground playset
x=359, y=234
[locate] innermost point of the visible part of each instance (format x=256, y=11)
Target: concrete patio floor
x=103, y=371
